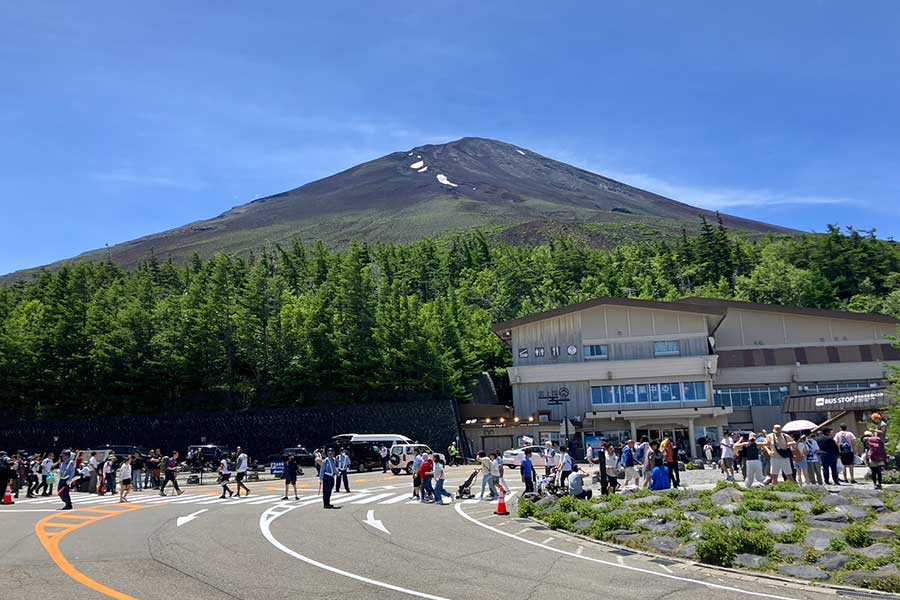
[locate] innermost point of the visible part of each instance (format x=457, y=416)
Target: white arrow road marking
x=182, y=520
x=371, y=520
x=265, y=523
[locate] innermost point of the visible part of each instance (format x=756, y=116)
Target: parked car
x=303, y=456
x=206, y=455
x=120, y=451
x=402, y=455
x=513, y=458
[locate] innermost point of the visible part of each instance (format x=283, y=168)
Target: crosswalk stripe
x=396, y=499
x=249, y=499
x=370, y=499
x=347, y=498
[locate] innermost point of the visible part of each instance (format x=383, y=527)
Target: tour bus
x=365, y=449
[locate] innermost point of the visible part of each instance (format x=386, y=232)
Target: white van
x=402, y=456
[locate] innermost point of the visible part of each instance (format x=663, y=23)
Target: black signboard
x=864, y=399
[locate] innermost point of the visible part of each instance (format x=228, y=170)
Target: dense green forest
x=302, y=324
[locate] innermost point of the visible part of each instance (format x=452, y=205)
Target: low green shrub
x=818, y=507
x=558, y=520
x=812, y=555
x=838, y=544
x=568, y=503
x=884, y=584
x=858, y=535
x=527, y=508
x=715, y=547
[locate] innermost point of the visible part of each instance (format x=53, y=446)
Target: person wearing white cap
x=66, y=475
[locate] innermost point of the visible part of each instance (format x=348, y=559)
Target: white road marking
x=579, y=550
x=28, y=510
x=268, y=498
x=666, y=569
x=373, y=522
x=622, y=566
x=547, y=541
x=265, y=522
x=187, y=519
x=371, y=499
x=348, y=498
x=395, y=500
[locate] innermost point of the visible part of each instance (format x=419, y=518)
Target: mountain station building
x=695, y=368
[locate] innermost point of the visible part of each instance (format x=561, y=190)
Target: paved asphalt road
x=260, y=547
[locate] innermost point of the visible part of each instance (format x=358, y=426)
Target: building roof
x=705, y=306
x=793, y=310
x=680, y=306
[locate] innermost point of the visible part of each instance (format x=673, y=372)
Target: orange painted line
x=50, y=540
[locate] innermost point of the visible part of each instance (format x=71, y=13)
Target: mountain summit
x=429, y=191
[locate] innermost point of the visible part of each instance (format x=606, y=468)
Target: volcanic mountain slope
x=427, y=192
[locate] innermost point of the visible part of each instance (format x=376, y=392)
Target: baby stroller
x=465, y=489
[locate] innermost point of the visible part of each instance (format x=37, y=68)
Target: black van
x=365, y=449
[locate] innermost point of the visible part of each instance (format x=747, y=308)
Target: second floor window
x=667, y=348
x=596, y=352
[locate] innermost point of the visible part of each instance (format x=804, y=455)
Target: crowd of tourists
x=814, y=457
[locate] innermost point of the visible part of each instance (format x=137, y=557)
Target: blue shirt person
x=327, y=474
x=343, y=466
x=528, y=472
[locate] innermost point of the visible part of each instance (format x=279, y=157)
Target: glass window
x=628, y=394
x=670, y=392
x=695, y=391
x=596, y=352
x=667, y=348
x=602, y=395
x=759, y=397
x=654, y=392
x=643, y=393
x=723, y=397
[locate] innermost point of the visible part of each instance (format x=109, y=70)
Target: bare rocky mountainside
x=429, y=191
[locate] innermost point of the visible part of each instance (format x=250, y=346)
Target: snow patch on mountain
x=443, y=179
x=417, y=164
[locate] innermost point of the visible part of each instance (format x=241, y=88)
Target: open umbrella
x=798, y=425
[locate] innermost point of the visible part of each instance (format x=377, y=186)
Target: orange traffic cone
x=7, y=496
x=501, y=503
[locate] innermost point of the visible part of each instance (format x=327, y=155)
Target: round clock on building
x=572, y=350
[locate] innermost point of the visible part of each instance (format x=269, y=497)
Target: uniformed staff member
x=327, y=474
x=343, y=465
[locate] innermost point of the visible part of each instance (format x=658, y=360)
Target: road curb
x=808, y=585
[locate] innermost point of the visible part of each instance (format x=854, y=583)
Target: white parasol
x=798, y=425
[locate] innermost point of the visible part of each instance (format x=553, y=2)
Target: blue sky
x=122, y=119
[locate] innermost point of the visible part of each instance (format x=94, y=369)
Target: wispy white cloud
x=717, y=198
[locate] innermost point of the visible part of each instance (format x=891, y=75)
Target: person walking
x=829, y=453
x=383, y=452
x=813, y=461
x=753, y=467
x=671, y=460
x=225, y=477
x=291, y=468
x=171, y=469
x=486, y=477
x=439, y=475
x=613, y=465
x=426, y=476
x=500, y=468
x=243, y=465
x=566, y=465
x=34, y=475
x=327, y=475
x=846, y=443
x=549, y=458
x=343, y=466
x=589, y=454
x=46, y=474
x=727, y=456
x=780, y=463
x=137, y=468
x=124, y=474
x=630, y=464
x=151, y=464
x=416, y=465
x=66, y=477
x=527, y=470
x=318, y=459
x=708, y=452
x=876, y=456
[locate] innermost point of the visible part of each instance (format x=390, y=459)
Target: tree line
x=302, y=324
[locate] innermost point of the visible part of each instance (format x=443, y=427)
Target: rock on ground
x=833, y=561
x=751, y=561
x=818, y=539
x=664, y=544
x=727, y=495
x=794, y=551
x=804, y=572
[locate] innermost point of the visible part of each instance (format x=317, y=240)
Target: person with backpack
x=876, y=456
x=629, y=463
x=846, y=443
x=829, y=452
